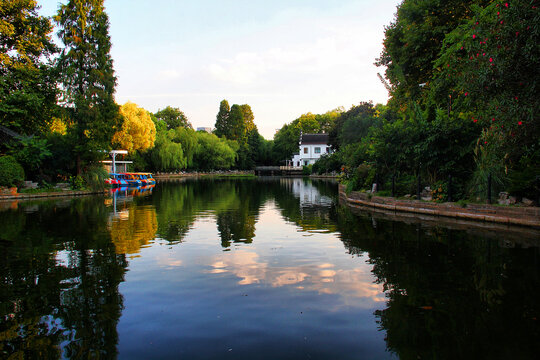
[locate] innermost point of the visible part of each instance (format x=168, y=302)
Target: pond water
x=258, y=269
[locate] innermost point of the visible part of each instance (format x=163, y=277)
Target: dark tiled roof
x=7, y=135
x=314, y=139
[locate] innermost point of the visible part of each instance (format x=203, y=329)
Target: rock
x=512, y=200
x=30, y=185
x=407, y=196
x=374, y=188
x=426, y=194
x=527, y=202
x=503, y=198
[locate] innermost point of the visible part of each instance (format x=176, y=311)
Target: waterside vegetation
x=462, y=80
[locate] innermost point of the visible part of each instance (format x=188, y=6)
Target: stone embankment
x=509, y=215
x=65, y=193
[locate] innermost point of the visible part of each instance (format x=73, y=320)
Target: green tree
x=188, y=139
x=88, y=80
x=213, y=153
x=167, y=155
x=413, y=42
x=222, y=118
x=30, y=152
x=173, y=117
x=489, y=65
x=27, y=83
x=351, y=126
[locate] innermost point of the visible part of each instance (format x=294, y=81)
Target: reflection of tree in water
x=135, y=228
x=308, y=203
x=60, y=275
x=450, y=295
x=235, y=203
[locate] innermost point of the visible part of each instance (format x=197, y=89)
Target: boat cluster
x=130, y=179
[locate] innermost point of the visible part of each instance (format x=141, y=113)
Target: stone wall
x=516, y=215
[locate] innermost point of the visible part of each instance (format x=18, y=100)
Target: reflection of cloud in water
x=165, y=260
x=323, y=278
x=243, y=264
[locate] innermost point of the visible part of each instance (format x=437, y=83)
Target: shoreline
x=65, y=193
x=522, y=216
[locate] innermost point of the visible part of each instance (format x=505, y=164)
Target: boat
x=131, y=179
x=116, y=180
x=148, y=177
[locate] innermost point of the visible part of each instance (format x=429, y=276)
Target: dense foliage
x=87, y=80
x=138, y=131
x=462, y=78
x=11, y=172
x=27, y=81
x=463, y=83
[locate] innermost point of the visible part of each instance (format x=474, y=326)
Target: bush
x=306, y=170
x=327, y=163
x=406, y=184
x=11, y=172
x=94, y=177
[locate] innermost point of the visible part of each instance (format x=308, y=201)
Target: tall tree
x=222, y=118
x=27, y=85
x=88, y=79
x=173, y=117
x=413, y=41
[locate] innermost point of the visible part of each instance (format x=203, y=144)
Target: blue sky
x=283, y=58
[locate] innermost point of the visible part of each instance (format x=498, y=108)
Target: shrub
x=11, y=172
x=362, y=177
x=306, y=170
x=94, y=177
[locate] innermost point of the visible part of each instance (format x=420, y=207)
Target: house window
x=306, y=162
x=317, y=150
x=305, y=150
x=327, y=150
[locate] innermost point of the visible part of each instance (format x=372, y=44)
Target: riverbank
x=508, y=215
x=180, y=175
x=64, y=193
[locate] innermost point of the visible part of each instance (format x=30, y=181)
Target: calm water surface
x=258, y=269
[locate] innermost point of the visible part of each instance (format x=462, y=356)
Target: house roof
x=314, y=139
x=7, y=135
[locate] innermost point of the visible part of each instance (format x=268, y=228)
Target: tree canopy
x=27, y=82
x=173, y=117
x=138, y=131
x=88, y=80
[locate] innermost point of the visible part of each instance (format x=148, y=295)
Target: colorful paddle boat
x=131, y=179
x=148, y=177
x=116, y=180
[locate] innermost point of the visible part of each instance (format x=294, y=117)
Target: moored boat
x=148, y=177
x=131, y=179
x=116, y=180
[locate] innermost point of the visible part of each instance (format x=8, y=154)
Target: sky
x=283, y=57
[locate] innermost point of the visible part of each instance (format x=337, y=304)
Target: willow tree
x=88, y=80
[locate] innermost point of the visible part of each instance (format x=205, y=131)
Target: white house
x=312, y=147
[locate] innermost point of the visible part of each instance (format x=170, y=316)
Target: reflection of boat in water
x=132, y=191
x=121, y=196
